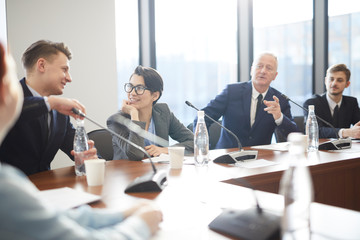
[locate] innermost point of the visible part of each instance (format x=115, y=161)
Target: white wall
x=88, y=28
x=3, y=22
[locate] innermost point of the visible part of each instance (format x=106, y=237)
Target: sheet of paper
x=255, y=163
x=66, y=198
x=165, y=158
x=284, y=146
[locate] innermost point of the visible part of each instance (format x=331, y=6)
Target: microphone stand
x=337, y=144
x=155, y=181
x=231, y=157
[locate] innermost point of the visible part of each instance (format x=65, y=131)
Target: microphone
x=155, y=181
x=337, y=144
x=253, y=223
x=231, y=157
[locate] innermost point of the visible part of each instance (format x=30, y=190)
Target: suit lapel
x=49, y=144
x=326, y=110
x=247, y=93
x=52, y=125
x=42, y=119
x=27, y=92
x=342, y=111
x=156, y=116
x=160, y=125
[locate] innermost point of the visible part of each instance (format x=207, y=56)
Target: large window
x=284, y=27
x=127, y=42
x=196, y=51
x=344, y=39
x=196, y=46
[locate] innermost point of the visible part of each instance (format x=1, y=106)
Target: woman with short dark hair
x=144, y=90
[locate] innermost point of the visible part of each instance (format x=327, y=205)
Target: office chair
x=300, y=122
x=103, y=143
x=214, y=134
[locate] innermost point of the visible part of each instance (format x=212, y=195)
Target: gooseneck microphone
x=337, y=144
x=252, y=223
x=232, y=157
x=237, y=139
x=155, y=181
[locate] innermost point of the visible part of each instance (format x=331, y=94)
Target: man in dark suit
x=44, y=125
x=244, y=112
x=339, y=110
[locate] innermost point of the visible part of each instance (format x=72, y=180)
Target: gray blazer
x=166, y=124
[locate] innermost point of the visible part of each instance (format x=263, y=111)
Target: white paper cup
x=95, y=171
x=176, y=157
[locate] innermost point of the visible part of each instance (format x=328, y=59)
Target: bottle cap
x=80, y=122
x=200, y=114
x=311, y=107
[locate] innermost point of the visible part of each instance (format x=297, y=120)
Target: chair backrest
x=103, y=143
x=299, y=120
x=214, y=134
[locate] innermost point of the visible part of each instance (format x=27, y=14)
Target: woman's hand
x=155, y=150
x=129, y=109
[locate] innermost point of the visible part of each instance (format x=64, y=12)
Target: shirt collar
x=34, y=93
x=255, y=93
x=331, y=103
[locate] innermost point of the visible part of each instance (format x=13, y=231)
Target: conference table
x=335, y=175
x=196, y=195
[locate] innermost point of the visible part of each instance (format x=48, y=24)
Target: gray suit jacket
x=166, y=124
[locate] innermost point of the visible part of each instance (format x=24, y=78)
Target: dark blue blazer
x=349, y=114
x=27, y=146
x=233, y=104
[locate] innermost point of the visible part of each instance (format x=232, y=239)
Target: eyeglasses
x=139, y=89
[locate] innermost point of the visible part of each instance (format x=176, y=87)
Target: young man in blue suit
x=339, y=110
x=44, y=125
x=253, y=109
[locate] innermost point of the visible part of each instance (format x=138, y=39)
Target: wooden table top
x=195, y=195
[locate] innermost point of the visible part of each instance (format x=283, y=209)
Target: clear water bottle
x=201, y=141
x=296, y=186
x=312, y=130
x=80, y=145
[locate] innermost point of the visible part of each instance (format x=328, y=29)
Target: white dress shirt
x=254, y=101
x=332, y=106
